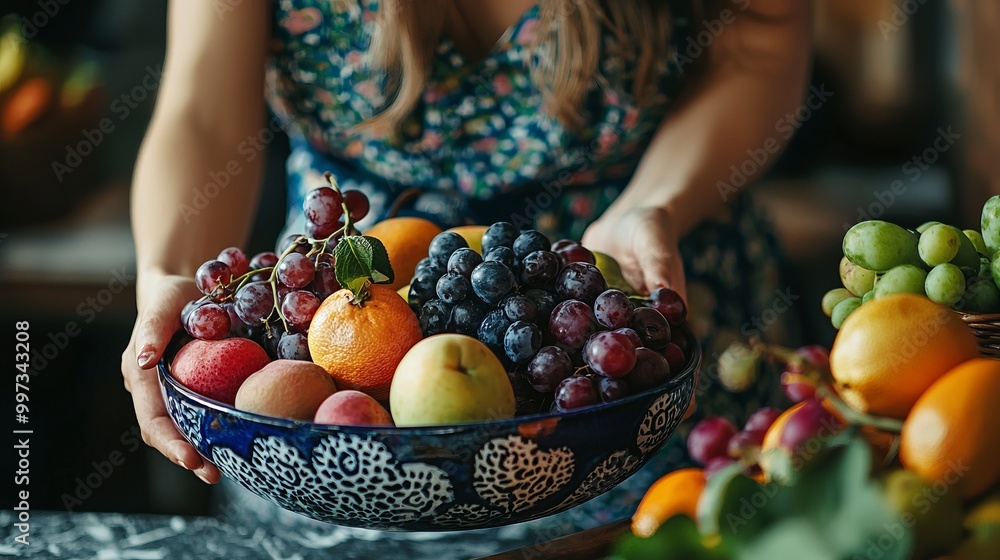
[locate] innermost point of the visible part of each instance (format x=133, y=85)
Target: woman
x=627, y=114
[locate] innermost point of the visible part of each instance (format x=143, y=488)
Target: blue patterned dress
x=480, y=149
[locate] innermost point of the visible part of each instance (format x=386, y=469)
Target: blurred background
x=902, y=122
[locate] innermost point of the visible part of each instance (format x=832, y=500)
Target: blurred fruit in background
x=951, y=434
x=936, y=516
x=47, y=102
x=674, y=494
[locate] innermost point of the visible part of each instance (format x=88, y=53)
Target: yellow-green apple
x=450, y=379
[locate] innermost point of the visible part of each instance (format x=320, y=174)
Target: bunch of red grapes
x=272, y=297
x=715, y=442
x=546, y=311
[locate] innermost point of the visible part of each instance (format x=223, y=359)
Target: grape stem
x=273, y=281
x=825, y=387
x=348, y=225
x=317, y=247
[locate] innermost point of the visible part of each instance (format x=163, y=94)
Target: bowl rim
x=690, y=369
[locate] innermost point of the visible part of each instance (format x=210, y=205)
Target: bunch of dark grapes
x=546, y=311
x=272, y=297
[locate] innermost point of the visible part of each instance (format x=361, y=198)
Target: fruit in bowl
x=447, y=379
x=434, y=478
x=510, y=383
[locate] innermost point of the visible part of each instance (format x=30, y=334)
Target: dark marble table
x=107, y=536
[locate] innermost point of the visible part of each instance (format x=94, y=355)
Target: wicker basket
x=986, y=327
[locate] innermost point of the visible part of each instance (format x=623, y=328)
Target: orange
x=890, y=350
x=676, y=493
x=406, y=240
x=952, y=432
x=361, y=345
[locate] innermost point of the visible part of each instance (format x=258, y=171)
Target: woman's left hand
x=644, y=242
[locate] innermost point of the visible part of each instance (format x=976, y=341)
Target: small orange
x=675, y=493
x=951, y=434
x=360, y=345
x=892, y=349
x=406, y=240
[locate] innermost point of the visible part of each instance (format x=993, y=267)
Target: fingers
x=152, y=333
x=694, y=397
x=159, y=432
x=661, y=269
x=690, y=409
x=156, y=325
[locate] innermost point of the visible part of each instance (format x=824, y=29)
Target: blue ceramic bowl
x=468, y=476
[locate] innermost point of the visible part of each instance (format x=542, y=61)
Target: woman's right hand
x=160, y=299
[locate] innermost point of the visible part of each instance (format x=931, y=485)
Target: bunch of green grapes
x=953, y=267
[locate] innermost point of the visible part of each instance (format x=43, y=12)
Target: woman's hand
x=160, y=300
x=644, y=242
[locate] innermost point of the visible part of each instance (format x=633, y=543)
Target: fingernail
x=145, y=356
x=176, y=450
x=201, y=476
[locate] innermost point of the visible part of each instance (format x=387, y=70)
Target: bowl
x=442, y=478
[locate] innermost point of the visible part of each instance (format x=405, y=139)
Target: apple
x=450, y=379
x=352, y=408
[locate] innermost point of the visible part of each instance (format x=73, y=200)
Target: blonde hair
x=567, y=47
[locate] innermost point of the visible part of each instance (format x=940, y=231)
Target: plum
x=216, y=368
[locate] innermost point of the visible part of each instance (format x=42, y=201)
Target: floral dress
x=479, y=149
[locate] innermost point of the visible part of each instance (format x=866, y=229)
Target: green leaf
x=353, y=266
x=359, y=261
x=380, y=265
x=677, y=539
x=794, y=538
x=734, y=506
x=833, y=510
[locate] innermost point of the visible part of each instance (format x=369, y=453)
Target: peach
x=352, y=408
x=217, y=368
x=290, y=389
